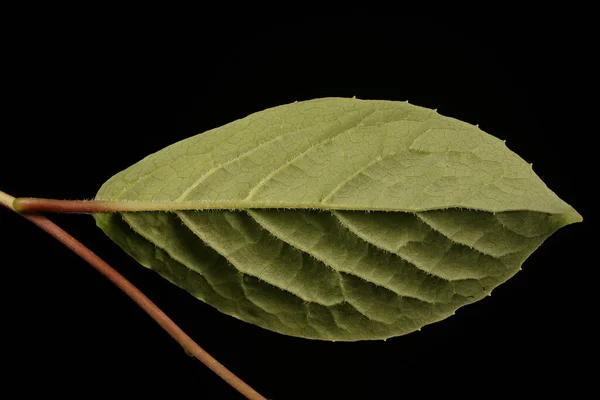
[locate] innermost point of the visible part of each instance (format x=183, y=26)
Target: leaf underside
x=336, y=219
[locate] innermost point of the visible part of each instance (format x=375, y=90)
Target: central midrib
x=239, y=205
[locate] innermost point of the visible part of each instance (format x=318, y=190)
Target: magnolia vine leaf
x=336, y=219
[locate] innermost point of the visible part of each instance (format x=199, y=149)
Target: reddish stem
x=134, y=293
x=28, y=204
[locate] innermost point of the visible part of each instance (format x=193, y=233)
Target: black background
x=83, y=100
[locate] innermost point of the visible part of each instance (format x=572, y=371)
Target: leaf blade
x=451, y=214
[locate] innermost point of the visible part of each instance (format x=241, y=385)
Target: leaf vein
x=327, y=265
x=274, y=284
x=263, y=181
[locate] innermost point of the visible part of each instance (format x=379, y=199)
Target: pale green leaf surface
x=336, y=219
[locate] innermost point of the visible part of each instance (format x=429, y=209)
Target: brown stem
x=134, y=293
x=28, y=204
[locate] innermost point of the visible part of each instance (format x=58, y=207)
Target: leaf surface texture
x=336, y=219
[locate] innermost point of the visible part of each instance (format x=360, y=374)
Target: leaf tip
x=570, y=217
x=576, y=217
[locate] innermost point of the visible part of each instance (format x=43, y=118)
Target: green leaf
x=336, y=219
